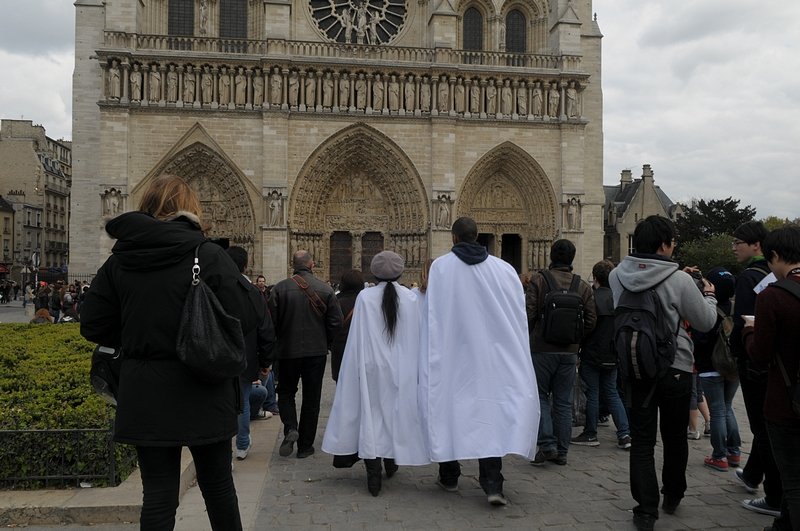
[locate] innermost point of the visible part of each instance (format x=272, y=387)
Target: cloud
x=37, y=27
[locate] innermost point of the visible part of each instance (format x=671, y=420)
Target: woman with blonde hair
x=162, y=406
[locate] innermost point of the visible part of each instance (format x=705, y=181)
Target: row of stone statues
x=240, y=87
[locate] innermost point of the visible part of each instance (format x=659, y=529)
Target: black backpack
x=598, y=348
x=562, y=313
x=645, y=344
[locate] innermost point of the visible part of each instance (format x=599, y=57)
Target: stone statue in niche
x=425, y=95
x=474, y=98
x=136, y=83
x=112, y=202
x=258, y=88
x=203, y=17
x=443, y=211
x=311, y=89
x=344, y=91
x=377, y=93
x=361, y=22
x=573, y=208
x=505, y=98
x=327, y=90
x=188, y=86
x=409, y=93
x=361, y=92
x=458, y=89
x=240, y=81
x=553, y=98
x=442, y=97
x=155, y=83
x=491, y=98
x=294, y=88
x=522, y=99
x=374, y=19
x=538, y=99
x=207, y=85
x=172, y=84
x=275, y=209
x=275, y=87
x=346, y=21
x=572, y=101
x=224, y=86
x=394, y=94
x=113, y=80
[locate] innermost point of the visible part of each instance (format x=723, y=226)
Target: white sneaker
x=241, y=454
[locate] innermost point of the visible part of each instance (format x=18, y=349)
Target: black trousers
x=311, y=371
x=670, y=399
x=489, y=470
x=160, y=469
x=761, y=463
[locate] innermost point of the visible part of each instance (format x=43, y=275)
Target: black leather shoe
x=373, y=475
x=644, y=522
x=390, y=466
x=302, y=454
x=670, y=504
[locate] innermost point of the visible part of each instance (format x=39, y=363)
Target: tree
x=774, y=222
x=716, y=216
x=709, y=253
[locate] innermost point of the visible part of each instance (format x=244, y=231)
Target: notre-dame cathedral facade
x=344, y=126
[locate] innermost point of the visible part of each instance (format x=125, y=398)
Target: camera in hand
x=697, y=276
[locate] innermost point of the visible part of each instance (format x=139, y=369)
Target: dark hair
x=562, y=252
x=352, y=280
x=651, y=232
x=261, y=276
x=601, y=270
x=785, y=242
x=239, y=257
x=465, y=229
x=389, y=305
x=751, y=232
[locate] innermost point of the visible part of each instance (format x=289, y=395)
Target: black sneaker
x=585, y=440
x=560, y=460
x=302, y=454
x=670, y=504
x=543, y=456
x=624, y=442
x=287, y=446
x=446, y=487
x=497, y=499
x=644, y=522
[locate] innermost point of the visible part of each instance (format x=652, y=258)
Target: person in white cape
x=478, y=393
x=374, y=413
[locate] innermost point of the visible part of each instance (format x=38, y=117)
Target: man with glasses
x=746, y=246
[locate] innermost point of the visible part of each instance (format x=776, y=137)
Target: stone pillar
x=125, y=86
x=285, y=89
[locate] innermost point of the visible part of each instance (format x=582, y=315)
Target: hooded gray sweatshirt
x=680, y=298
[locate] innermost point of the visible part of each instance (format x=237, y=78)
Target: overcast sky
x=703, y=90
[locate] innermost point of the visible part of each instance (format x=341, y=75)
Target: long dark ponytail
x=389, y=305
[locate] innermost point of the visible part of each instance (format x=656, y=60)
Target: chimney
x=625, y=179
x=647, y=174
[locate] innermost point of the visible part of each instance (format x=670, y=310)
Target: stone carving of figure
x=491, y=99
x=572, y=100
x=522, y=100
x=474, y=98
x=207, y=85
x=203, y=17
x=258, y=88
x=113, y=80
x=377, y=93
x=155, y=84
x=327, y=90
x=224, y=86
x=347, y=23
x=459, y=96
x=136, y=83
x=505, y=98
x=294, y=88
x=442, y=97
x=275, y=209
x=111, y=202
x=394, y=94
x=502, y=39
x=361, y=22
x=361, y=92
x=311, y=87
x=538, y=99
x=425, y=95
x=374, y=18
x=240, y=81
x=275, y=87
x=188, y=86
x=573, y=213
x=553, y=97
x=443, y=215
x=408, y=92
x=344, y=91
x=172, y=84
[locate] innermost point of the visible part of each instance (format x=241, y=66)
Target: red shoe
x=734, y=460
x=716, y=464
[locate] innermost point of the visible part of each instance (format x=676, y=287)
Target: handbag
x=210, y=341
x=104, y=374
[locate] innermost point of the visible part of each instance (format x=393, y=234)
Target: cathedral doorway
x=511, y=250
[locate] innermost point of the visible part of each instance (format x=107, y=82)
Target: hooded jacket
x=680, y=298
x=135, y=302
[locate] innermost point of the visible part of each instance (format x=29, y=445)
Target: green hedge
x=44, y=385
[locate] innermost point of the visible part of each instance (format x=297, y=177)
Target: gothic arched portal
x=510, y=197
x=357, y=194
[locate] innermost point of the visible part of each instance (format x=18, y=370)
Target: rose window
x=361, y=22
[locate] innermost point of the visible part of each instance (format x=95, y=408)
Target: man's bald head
x=302, y=260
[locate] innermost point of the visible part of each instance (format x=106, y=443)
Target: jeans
x=603, y=381
x=670, y=399
x=725, y=438
x=785, y=439
x=271, y=402
x=312, y=371
x=490, y=476
x=160, y=470
x=761, y=464
x=243, y=436
x=555, y=376
x=258, y=394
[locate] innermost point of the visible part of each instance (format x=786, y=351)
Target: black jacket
x=347, y=301
x=260, y=343
x=301, y=332
x=745, y=303
x=135, y=302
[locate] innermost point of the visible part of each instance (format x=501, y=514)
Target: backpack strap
x=576, y=282
x=764, y=271
x=550, y=280
x=788, y=285
x=317, y=304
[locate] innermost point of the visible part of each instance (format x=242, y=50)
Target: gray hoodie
x=680, y=298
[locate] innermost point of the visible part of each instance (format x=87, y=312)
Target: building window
x=233, y=19
x=181, y=17
x=38, y=219
x=473, y=29
x=631, y=248
x=516, y=35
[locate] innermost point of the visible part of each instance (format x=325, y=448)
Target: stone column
x=368, y=108
x=197, y=71
x=301, y=102
x=335, y=101
x=318, y=106
x=214, y=88
x=248, y=91
x=562, y=103
x=452, y=95
x=357, y=249
x=434, y=95
x=162, y=102
x=352, y=92
x=181, y=73
x=145, y=84
x=125, y=86
x=483, y=84
x=514, y=100
x=285, y=89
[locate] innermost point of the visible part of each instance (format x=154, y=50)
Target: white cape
x=375, y=411
x=478, y=393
